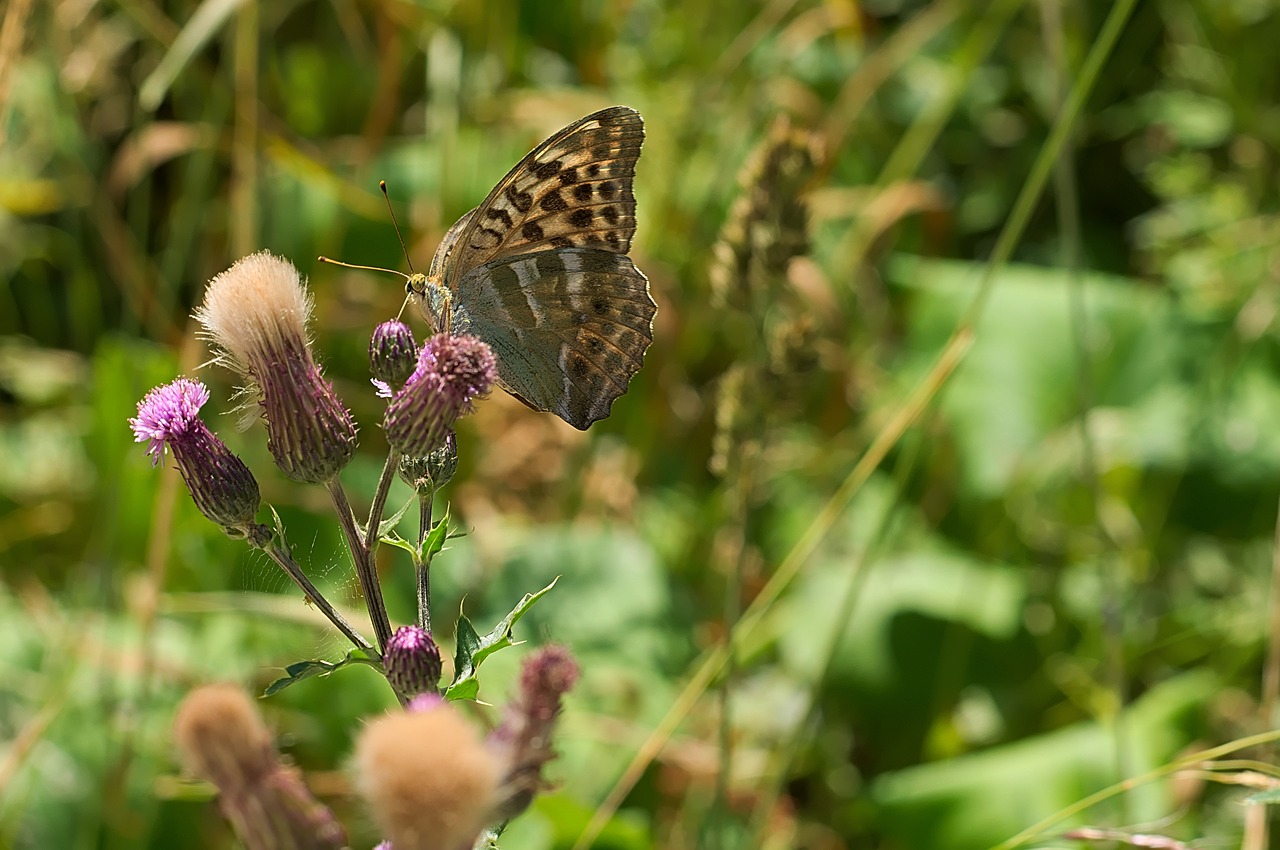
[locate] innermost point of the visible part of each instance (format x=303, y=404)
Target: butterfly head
x=434, y=302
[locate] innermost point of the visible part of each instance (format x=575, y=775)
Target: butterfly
x=540, y=271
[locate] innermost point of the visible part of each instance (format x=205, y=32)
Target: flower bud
x=412, y=661
x=452, y=372
x=257, y=313
x=393, y=354
x=434, y=470
x=524, y=739
x=221, y=485
x=427, y=777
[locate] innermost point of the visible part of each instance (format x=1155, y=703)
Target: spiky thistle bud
x=412, y=661
x=222, y=739
x=452, y=372
x=221, y=485
x=393, y=354
x=427, y=777
x=434, y=470
x=256, y=312
x=524, y=738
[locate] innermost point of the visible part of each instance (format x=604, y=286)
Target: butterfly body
x=540, y=271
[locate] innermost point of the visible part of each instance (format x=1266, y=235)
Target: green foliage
x=472, y=649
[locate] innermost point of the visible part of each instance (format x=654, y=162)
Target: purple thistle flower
x=452, y=372
x=257, y=313
x=412, y=661
x=221, y=485
x=393, y=354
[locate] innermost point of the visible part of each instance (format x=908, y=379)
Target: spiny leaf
x=309, y=669
x=473, y=650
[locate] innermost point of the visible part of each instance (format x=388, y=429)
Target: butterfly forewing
x=572, y=191
x=569, y=326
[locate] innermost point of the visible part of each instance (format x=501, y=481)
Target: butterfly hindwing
x=569, y=326
x=572, y=191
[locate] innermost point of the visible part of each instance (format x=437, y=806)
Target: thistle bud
x=221, y=485
x=222, y=739
x=427, y=777
x=393, y=354
x=256, y=312
x=452, y=372
x=434, y=470
x=524, y=739
x=412, y=661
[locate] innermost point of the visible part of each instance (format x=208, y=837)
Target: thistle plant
x=432, y=782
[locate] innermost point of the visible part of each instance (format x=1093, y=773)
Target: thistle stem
x=290, y=566
x=380, y=499
x=362, y=556
x=426, y=501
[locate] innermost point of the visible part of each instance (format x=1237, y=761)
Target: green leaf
x=388, y=524
x=309, y=669
x=400, y=543
x=433, y=544
x=473, y=650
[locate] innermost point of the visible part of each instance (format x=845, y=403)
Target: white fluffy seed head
x=259, y=305
x=429, y=780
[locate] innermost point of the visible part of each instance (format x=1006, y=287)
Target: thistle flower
x=412, y=661
x=452, y=372
x=432, y=471
x=393, y=354
x=524, y=739
x=257, y=313
x=221, y=485
x=428, y=778
x=222, y=738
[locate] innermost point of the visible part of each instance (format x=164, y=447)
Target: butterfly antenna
x=358, y=266
x=382, y=184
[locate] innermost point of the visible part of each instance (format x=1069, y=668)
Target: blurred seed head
x=427, y=777
x=222, y=738
x=768, y=223
x=256, y=314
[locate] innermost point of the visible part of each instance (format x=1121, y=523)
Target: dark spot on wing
x=611, y=214
x=613, y=239
x=583, y=191
x=522, y=201
x=561, y=242
x=501, y=215
x=602, y=152
x=608, y=189
x=600, y=306
x=581, y=217
x=552, y=202
x=593, y=169
x=578, y=365
x=569, y=175
x=546, y=170
x=531, y=231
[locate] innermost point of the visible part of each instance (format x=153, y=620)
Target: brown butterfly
x=540, y=271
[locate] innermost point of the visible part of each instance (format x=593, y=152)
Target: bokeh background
x=959, y=424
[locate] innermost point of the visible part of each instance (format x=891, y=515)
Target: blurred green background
x=984, y=575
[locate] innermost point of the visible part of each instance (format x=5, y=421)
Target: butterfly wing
x=572, y=191
x=570, y=326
